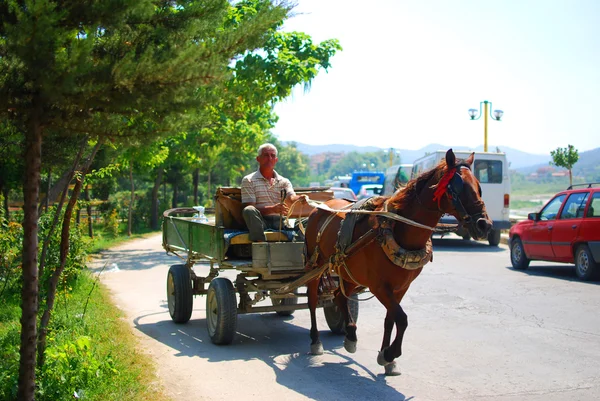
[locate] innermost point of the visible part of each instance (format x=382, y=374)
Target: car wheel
x=517, y=255
x=585, y=266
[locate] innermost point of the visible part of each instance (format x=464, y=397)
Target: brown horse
x=388, y=251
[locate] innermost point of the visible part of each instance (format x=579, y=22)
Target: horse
x=389, y=248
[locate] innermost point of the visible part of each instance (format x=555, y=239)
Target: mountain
x=517, y=159
x=587, y=165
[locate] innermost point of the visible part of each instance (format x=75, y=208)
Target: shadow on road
x=281, y=345
x=133, y=259
x=558, y=271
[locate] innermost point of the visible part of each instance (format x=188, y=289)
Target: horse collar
x=409, y=260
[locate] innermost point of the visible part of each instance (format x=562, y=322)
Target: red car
x=567, y=229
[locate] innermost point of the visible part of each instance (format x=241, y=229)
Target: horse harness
x=382, y=233
x=451, y=184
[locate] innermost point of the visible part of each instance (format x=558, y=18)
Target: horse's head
x=457, y=192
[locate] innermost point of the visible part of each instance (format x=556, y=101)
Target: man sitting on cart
x=263, y=195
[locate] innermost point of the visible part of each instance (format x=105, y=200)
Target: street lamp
x=487, y=110
x=393, y=154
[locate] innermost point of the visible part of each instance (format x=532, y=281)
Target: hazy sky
x=410, y=70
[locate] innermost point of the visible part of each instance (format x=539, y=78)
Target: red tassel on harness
x=442, y=186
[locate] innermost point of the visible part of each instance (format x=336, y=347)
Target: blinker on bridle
x=452, y=184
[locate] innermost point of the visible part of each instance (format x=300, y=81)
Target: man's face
x=268, y=158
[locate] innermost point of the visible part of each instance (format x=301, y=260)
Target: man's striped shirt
x=256, y=189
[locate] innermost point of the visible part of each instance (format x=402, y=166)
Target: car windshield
x=552, y=208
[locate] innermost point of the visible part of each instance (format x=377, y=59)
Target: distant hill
x=517, y=159
x=587, y=165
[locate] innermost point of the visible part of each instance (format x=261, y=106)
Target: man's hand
x=280, y=208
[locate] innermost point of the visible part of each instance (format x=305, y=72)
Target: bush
x=111, y=223
x=11, y=240
x=78, y=250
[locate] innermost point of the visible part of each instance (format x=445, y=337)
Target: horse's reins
x=384, y=213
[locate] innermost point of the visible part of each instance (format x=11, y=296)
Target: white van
x=491, y=169
x=395, y=177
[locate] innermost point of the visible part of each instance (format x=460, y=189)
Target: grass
x=91, y=348
x=104, y=240
x=525, y=204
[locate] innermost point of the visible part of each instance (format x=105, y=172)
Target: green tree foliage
x=565, y=157
x=354, y=161
x=292, y=164
x=88, y=69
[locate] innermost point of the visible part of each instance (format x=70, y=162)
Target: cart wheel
x=221, y=311
x=494, y=237
x=335, y=318
x=179, y=293
x=285, y=301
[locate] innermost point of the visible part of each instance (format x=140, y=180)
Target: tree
x=80, y=68
x=565, y=157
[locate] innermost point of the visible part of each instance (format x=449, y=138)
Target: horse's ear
x=469, y=160
x=450, y=158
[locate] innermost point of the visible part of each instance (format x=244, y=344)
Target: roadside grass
x=103, y=239
x=91, y=348
x=526, y=204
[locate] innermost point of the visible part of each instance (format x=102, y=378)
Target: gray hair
x=266, y=146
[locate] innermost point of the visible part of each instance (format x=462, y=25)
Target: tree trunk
x=154, y=218
x=175, y=194
x=66, y=180
x=89, y=212
x=130, y=213
x=208, y=185
x=195, y=182
x=47, y=200
x=64, y=252
x=29, y=291
x=570, y=178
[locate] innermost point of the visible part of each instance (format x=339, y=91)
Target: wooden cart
x=262, y=268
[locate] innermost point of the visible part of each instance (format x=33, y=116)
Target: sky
x=410, y=70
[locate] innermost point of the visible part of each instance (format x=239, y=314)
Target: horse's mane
x=403, y=196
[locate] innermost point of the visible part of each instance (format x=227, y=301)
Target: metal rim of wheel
x=517, y=252
x=212, y=312
x=583, y=262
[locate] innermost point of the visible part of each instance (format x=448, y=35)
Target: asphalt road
x=478, y=330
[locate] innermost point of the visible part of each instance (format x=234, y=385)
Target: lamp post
x=392, y=154
x=486, y=110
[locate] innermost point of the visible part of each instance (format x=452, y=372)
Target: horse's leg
x=395, y=315
x=316, y=347
x=344, y=306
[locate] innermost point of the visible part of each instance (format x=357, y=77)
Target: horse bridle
x=454, y=190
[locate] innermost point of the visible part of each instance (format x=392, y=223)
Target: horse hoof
x=380, y=359
x=391, y=369
x=350, y=345
x=316, y=349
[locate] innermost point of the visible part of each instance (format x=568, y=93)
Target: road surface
x=478, y=330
